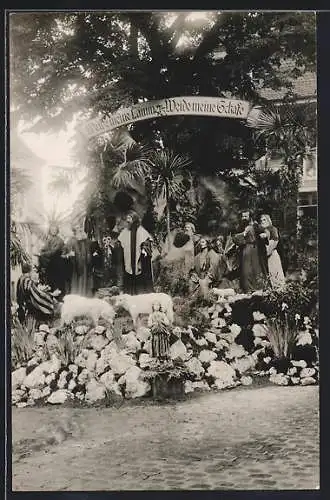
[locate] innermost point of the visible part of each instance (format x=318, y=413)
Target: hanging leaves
x=134, y=169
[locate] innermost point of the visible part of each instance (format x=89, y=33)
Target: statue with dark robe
x=69, y=257
x=50, y=260
x=253, y=257
x=97, y=266
x=82, y=274
x=136, y=244
x=112, y=260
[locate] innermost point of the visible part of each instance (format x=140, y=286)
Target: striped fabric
x=29, y=294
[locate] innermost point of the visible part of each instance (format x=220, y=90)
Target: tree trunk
x=168, y=218
x=133, y=41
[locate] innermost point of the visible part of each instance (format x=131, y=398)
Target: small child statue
x=158, y=323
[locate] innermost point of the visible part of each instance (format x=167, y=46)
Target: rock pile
x=89, y=365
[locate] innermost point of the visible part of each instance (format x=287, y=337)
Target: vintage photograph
x=163, y=258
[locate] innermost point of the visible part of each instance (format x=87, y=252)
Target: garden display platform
x=227, y=340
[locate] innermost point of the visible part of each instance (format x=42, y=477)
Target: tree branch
x=211, y=39
x=146, y=25
x=177, y=28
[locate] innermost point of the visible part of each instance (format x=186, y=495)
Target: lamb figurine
x=137, y=305
x=93, y=308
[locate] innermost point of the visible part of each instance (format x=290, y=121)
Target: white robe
x=125, y=239
x=275, y=268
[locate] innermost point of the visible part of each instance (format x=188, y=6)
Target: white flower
x=284, y=306
x=304, y=338
x=297, y=317
x=267, y=359
x=307, y=321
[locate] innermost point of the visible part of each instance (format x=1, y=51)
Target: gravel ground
x=254, y=438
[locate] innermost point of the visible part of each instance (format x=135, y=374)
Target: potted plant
x=286, y=309
x=167, y=379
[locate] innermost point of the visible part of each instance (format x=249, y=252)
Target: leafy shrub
x=22, y=341
x=308, y=232
x=18, y=254
x=286, y=309
x=309, y=271
x=189, y=311
x=199, y=321
x=298, y=297
x=68, y=348
x=171, y=279
x=281, y=336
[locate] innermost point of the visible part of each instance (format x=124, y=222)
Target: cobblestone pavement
x=245, y=439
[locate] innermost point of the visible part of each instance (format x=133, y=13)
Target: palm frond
x=60, y=183
x=121, y=139
x=134, y=169
x=229, y=245
x=166, y=163
x=18, y=254
x=280, y=123
x=28, y=227
x=168, y=171
x=270, y=121
x=127, y=174
x=175, y=187
x=20, y=181
x=20, y=232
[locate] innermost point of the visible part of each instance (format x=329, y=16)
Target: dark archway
x=123, y=202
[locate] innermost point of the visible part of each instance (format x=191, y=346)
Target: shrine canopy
x=193, y=105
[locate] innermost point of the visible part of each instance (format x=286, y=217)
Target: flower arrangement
x=170, y=370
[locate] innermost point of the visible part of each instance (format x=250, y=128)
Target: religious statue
x=158, y=323
x=137, y=248
x=51, y=262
